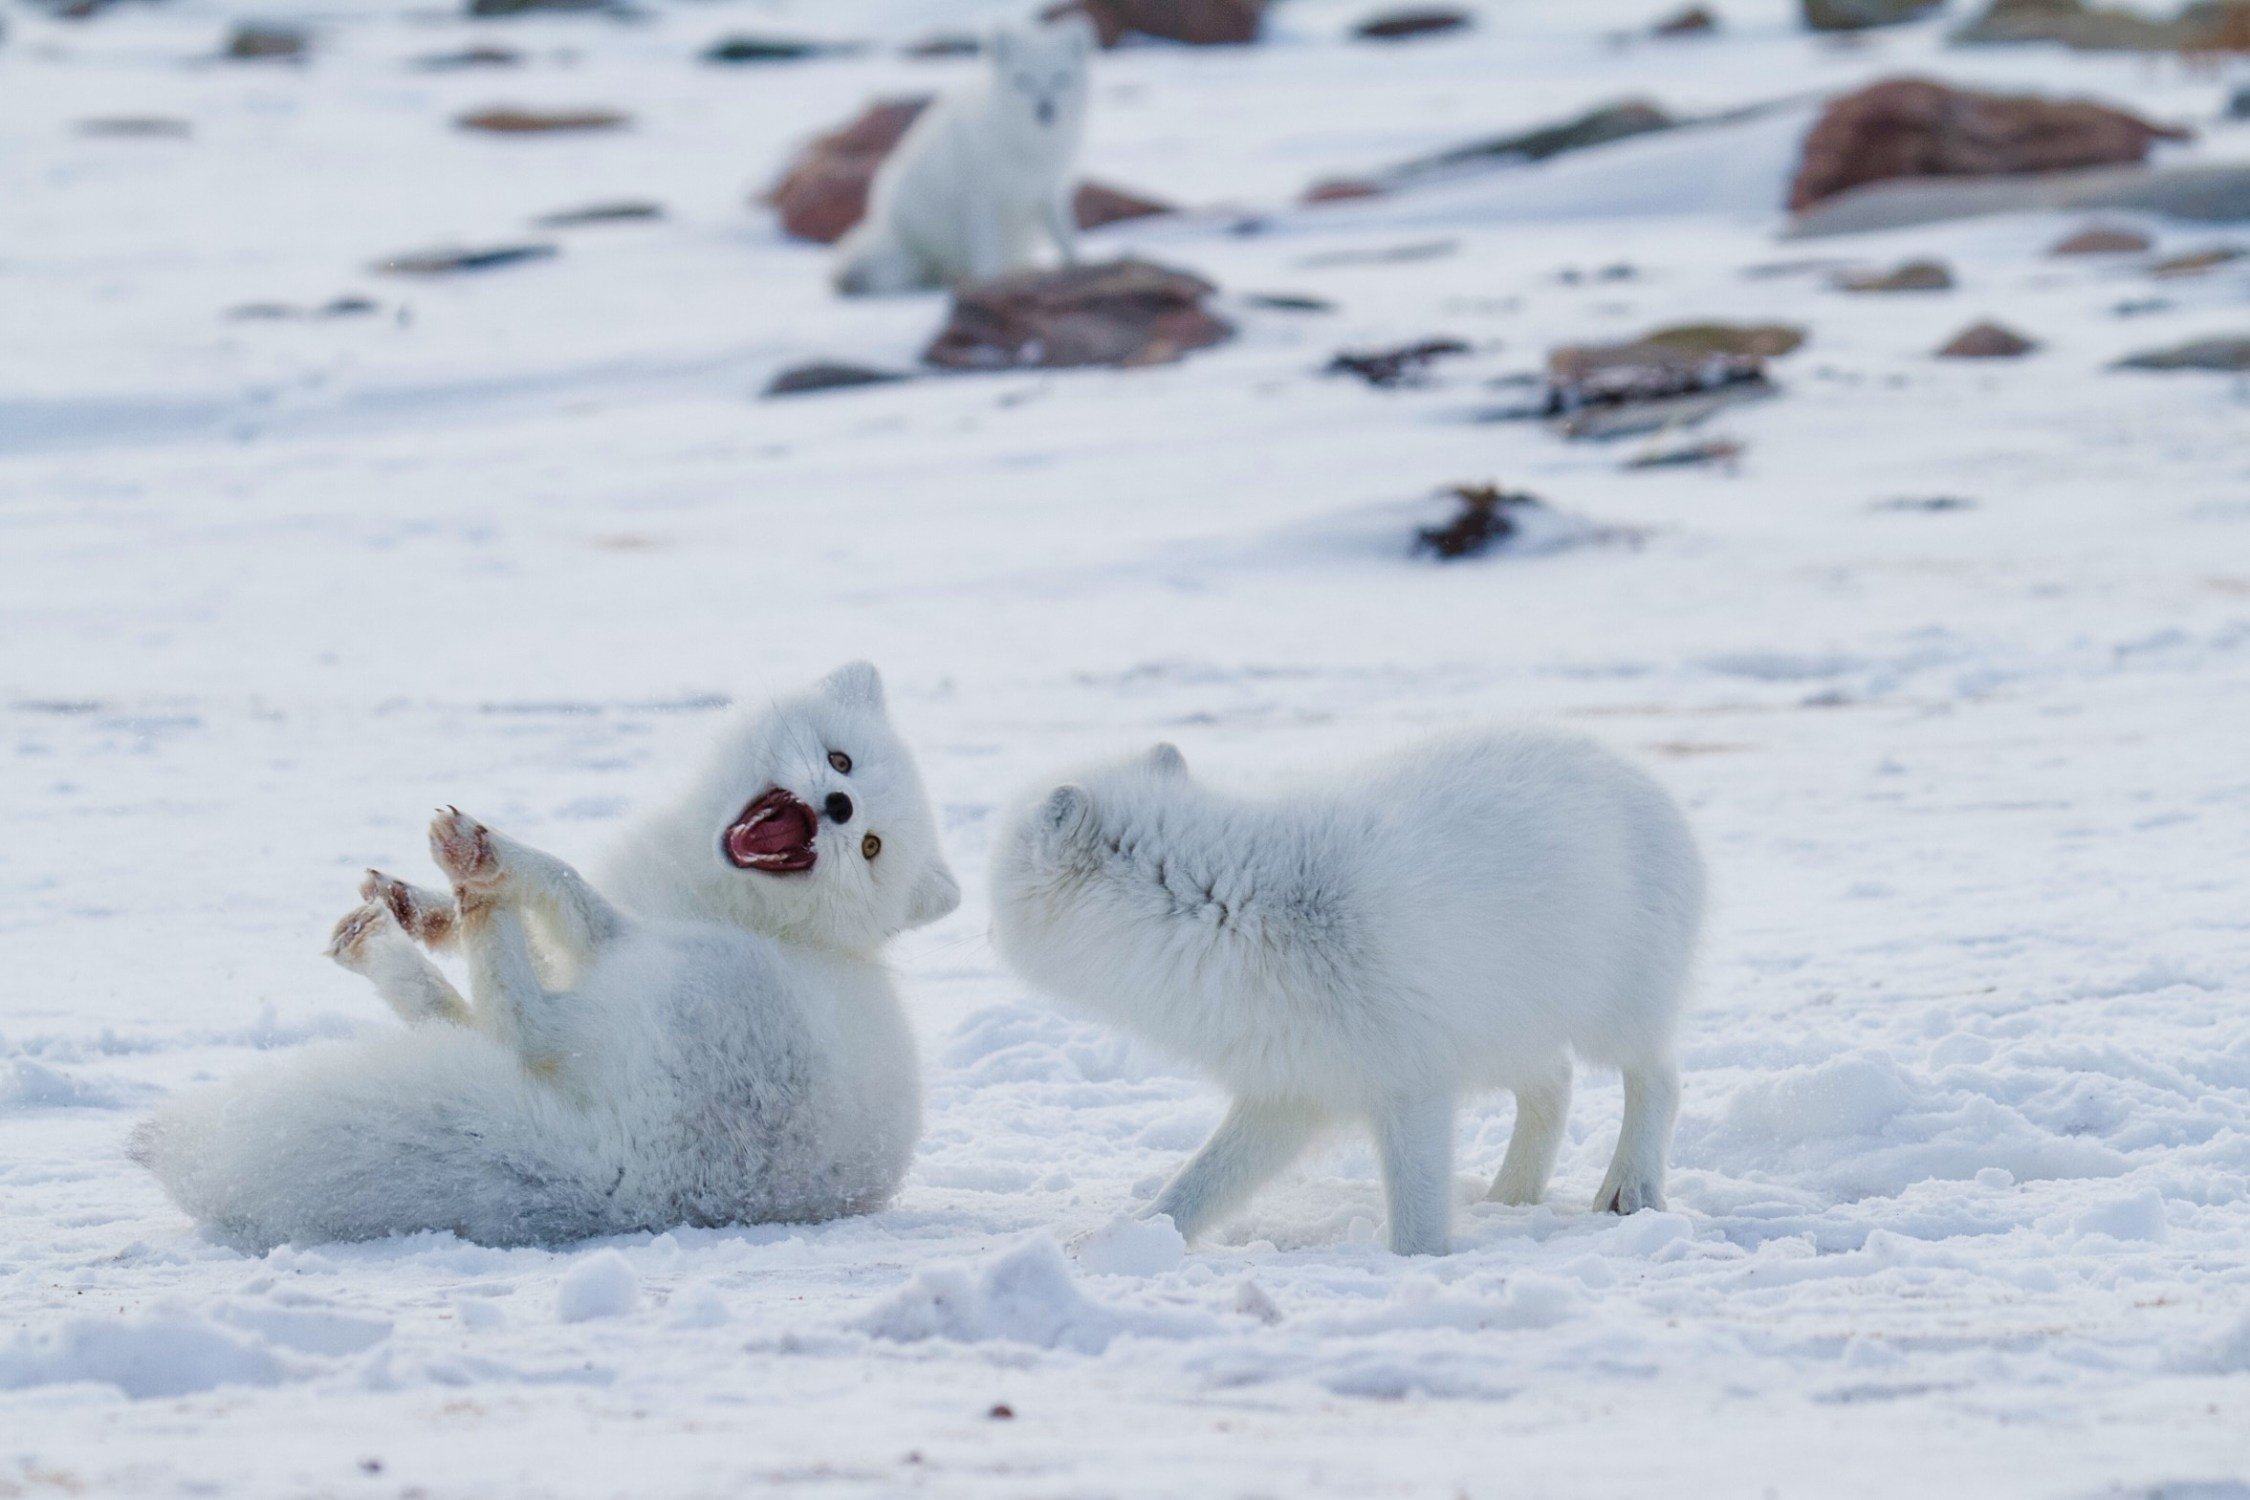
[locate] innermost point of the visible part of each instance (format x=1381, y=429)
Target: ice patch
x=602, y=1285
x=1133, y=1247
x=1024, y=1296
x=171, y=1353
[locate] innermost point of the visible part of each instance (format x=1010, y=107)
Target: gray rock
x=2228, y=354
x=1860, y=15
x=2206, y=192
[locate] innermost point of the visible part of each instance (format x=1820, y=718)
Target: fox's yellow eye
x=871, y=846
x=841, y=761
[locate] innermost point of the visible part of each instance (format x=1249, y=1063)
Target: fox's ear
x=1165, y=757
x=935, y=895
x=1066, y=813
x=856, y=684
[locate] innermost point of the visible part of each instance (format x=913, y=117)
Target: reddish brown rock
x=1396, y=25
x=2101, y=241
x=2196, y=262
x=824, y=192
x=507, y=120
x=1480, y=520
x=1202, y=23
x=1125, y=313
x=1343, y=190
x=1907, y=276
x=1986, y=341
x=1694, y=21
x=1910, y=127
x=1096, y=204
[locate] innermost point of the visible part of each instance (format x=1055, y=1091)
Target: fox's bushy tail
x=435, y=1127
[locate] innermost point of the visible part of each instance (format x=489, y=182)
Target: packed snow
x=1951, y=667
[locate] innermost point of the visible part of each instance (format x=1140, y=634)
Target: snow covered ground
x=1962, y=1198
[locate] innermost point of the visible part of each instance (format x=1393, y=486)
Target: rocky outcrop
x=1911, y=127
x=1123, y=313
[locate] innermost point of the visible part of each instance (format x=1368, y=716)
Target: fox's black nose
x=839, y=808
x=1046, y=111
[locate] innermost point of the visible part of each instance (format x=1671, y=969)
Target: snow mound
x=1134, y=1247
x=172, y=1353
x=603, y=1285
x=1025, y=1296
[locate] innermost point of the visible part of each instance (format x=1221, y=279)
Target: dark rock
x=1480, y=520
x=348, y=307
x=2211, y=26
x=1289, y=302
x=827, y=375
x=1911, y=127
x=945, y=44
x=1861, y=15
x=1202, y=23
x=1096, y=204
x=2238, y=103
x=2102, y=241
x=1122, y=313
x=1617, y=390
x=265, y=41
x=1599, y=127
x=765, y=49
x=338, y=307
x=2228, y=354
x=1396, y=25
x=1693, y=454
x=136, y=128
x=1928, y=503
x=824, y=192
x=1693, y=21
x=2196, y=262
x=1406, y=364
x=509, y=120
x=470, y=57
x=1909, y=276
x=1755, y=340
x=490, y=8
x=445, y=262
x=629, y=211
x=1986, y=341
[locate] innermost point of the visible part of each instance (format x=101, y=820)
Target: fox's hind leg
x=1541, y=1110
x=371, y=942
x=428, y=917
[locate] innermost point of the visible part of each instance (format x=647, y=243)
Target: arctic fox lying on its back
x=1465, y=915
x=724, y=1046
x=980, y=175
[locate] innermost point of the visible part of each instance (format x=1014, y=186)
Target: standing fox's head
x=1039, y=80
x=810, y=824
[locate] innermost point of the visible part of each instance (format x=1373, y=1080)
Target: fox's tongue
x=774, y=833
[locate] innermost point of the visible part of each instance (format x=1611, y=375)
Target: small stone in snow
x=1986, y=341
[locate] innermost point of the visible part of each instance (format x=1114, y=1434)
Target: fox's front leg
x=493, y=878
x=1062, y=226
x=371, y=942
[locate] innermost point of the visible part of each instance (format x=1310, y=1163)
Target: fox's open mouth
x=774, y=833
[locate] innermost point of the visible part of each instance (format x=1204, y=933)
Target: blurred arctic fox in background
x=981, y=174
x=1468, y=914
x=722, y=1045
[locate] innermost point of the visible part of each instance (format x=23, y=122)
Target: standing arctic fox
x=1465, y=915
x=980, y=175
x=721, y=1046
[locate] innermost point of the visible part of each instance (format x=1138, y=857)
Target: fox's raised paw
x=356, y=935
x=463, y=849
x=428, y=917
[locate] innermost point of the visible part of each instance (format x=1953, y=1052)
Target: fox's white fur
x=721, y=1045
x=1465, y=915
x=981, y=175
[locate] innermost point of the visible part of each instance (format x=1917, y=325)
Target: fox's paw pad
x=1629, y=1197
x=355, y=937
x=463, y=849
x=428, y=917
